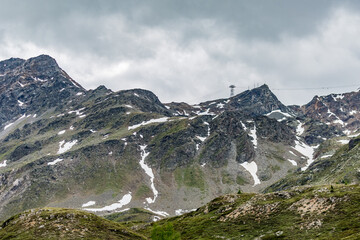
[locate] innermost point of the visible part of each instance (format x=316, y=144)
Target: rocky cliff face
x=104, y=151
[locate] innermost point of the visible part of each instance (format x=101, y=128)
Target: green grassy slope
x=321, y=212
x=56, y=223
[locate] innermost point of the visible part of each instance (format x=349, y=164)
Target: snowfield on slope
x=3, y=164
x=66, y=146
x=55, y=161
x=158, y=120
x=149, y=172
x=126, y=199
x=252, y=169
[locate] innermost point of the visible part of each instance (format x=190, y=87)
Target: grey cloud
x=190, y=50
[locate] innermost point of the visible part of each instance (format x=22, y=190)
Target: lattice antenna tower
x=232, y=87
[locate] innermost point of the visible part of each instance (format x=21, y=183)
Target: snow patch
x=254, y=137
x=278, y=111
x=77, y=112
x=339, y=121
x=61, y=132
x=126, y=199
x=39, y=79
x=201, y=138
x=299, y=129
x=243, y=125
x=339, y=97
x=344, y=141
x=129, y=106
x=352, y=112
x=158, y=120
x=55, y=161
x=66, y=146
x=292, y=153
x=7, y=126
x=326, y=156
x=161, y=213
x=306, y=151
x=20, y=103
x=207, y=112
x=79, y=93
x=252, y=169
x=181, y=211
x=292, y=162
x=220, y=105
x=149, y=172
x=3, y=164
x=88, y=204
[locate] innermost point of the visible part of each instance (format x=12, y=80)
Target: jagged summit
x=260, y=100
x=257, y=101
x=341, y=110
x=33, y=85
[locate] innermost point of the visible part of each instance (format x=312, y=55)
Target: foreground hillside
x=56, y=223
x=322, y=212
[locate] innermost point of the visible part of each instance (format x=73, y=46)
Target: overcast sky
x=193, y=50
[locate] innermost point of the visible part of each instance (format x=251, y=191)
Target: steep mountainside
x=105, y=151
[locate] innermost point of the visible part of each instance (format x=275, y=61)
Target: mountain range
x=105, y=152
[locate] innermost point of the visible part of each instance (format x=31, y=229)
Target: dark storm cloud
x=191, y=50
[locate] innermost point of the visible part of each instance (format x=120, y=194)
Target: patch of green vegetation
x=278, y=158
x=135, y=215
x=191, y=176
x=165, y=232
x=275, y=168
x=227, y=178
x=241, y=181
x=143, y=191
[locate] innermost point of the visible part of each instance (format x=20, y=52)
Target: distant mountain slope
x=105, y=151
x=342, y=110
x=341, y=167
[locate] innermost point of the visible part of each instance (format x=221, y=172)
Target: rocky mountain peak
x=341, y=110
x=258, y=101
x=10, y=64
x=43, y=64
x=33, y=85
